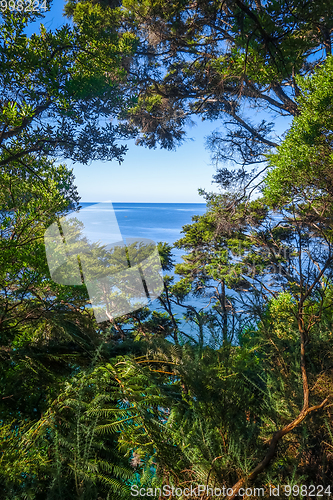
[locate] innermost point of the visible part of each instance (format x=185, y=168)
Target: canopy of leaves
x=236, y=390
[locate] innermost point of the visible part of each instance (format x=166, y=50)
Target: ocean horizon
x=156, y=221
x=160, y=222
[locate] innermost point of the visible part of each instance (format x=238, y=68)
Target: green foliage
x=301, y=167
x=184, y=394
x=58, y=88
x=19, y=461
x=214, y=61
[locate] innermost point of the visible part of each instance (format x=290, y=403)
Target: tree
x=40, y=322
x=216, y=244
x=60, y=91
x=287, y=262
x=301, y=168
x=57, y=90
x=216, y=60
x=180, y=412
x=298, y=189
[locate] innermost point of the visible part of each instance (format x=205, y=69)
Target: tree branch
x=272, y=447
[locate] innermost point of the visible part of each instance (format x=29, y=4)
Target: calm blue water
x=156, y=221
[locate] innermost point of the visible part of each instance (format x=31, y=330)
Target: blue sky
x=148, y=175
x=151, y=175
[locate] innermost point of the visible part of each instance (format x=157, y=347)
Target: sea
x=160, y=222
